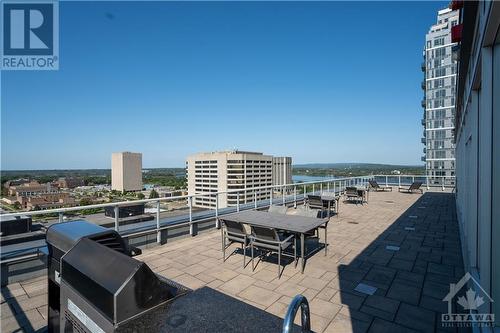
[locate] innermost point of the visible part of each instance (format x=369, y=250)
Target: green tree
x=153, y=194
x=85, y=202
x=140, y=196
x=17, y=205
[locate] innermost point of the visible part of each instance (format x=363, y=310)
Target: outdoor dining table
x=363, y=191
x=330, y=198
x=291, y=223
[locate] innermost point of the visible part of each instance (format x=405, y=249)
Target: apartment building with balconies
x=440, y=68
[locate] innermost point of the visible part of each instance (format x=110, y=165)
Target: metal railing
x=287, y=194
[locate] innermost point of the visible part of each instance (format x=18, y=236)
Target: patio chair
x=352, y=193
x=415, y=186
x=315, y=202
x=304, y=211
x=235, y=233
x=375, y=186
x=269, y=240
x=277, y=209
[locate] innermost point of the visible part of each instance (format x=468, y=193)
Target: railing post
x=283, y=195
x=328, y=186
x=217, y=225
x=295, y=197
x=158, y=232
x=427, y=181
x=61, y=217
x=399, y=181
x=190, y=203
x=386, y=178
x=313, y=188
x=255, y=199
x=412, y=179
x=320, y=188
x=117, y=213
x=442, y=183
x=334, y=188
x=271, y=198
x=237, y=201
x=305, y=189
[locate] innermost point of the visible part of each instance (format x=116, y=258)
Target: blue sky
x=321, y=82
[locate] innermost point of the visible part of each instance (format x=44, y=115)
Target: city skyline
x=218, y=71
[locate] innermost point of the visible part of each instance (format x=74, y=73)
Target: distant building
x=46, y=201
x=282, y=170
x=69, y=182
x=126, y=171
x=440, y=69
x=225, y=171
x=31, y=188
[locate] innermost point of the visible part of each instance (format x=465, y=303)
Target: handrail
x=297, y=301
x=180, y=197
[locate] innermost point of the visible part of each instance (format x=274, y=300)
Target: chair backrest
x=303, y=211
x=234, y=227
x=278, y=209
x=314, y=201
x=264, y=233
x=374, y=184
x=415, y=186
x=351, y=190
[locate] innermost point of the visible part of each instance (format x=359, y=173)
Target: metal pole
x=283, y=195
x=313, y=188
x=255, y=199
x=158, y=232
x=334, y=188
x=117, y=226
x=217, y=225
x=412, y=179
x=399, y=181
x=386, y=181
x=427, y=182
x=295, y=197
x=271, y=198
x=442, y=182
x=305, y=188
x=320, y=188
x=328, y=186
x=190, y=203
x=237, y=201
x=61, y=217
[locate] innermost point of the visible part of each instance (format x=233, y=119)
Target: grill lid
x=120, y=287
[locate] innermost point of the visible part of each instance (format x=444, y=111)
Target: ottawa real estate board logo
x=30, y=35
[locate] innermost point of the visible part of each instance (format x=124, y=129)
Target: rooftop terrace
x=411, y=282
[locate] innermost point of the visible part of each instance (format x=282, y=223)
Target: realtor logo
x=30, y=35
x=467, y=307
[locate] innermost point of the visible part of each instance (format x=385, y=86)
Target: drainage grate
x=353, y=222
x=392, y=248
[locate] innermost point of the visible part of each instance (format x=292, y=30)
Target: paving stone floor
x=410, y=282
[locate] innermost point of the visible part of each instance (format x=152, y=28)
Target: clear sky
x=321, y=82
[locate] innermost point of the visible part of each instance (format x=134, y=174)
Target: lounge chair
x=415, y=186
x=234, y=233
x=269, y=240
x=278, y=209
x=376, y=187
x=352, y=193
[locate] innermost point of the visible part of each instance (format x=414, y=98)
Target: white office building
x=126, y=171
x=228, y=171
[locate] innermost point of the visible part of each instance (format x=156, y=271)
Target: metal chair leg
x=279, y=261
x=244, y=252
x=251, y=249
